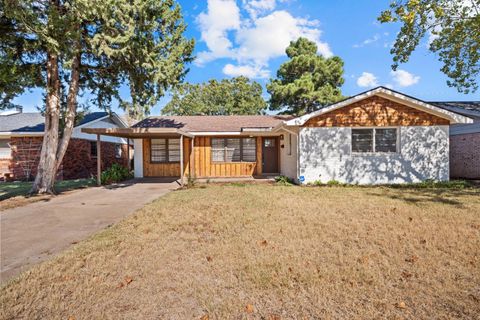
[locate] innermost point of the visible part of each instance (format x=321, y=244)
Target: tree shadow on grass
x=425, y=196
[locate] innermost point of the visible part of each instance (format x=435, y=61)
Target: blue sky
x=249, y=37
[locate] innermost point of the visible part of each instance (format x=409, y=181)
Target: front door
x=270, y=155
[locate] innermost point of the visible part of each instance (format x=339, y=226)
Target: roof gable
x=389, y=94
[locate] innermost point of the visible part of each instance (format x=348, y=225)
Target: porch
x=172, y=152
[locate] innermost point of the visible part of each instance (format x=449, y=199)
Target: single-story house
x=21, y=136
x=464, y=140
x=376, y=137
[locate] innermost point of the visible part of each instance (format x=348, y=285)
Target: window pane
x=174, y=150
x=118, y=151
x=233, y=150
x=362, y=140
x=93, y=148
x=158, y=150
x=218, y=150
x=385, y=140
x=269, y=143
x=249, y=150
x=5, y=151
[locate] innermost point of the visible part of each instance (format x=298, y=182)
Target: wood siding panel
x=205, y=168
x=157, y=169
x=202, y=166
x=376, y=112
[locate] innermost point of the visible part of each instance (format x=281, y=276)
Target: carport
x=144, y=133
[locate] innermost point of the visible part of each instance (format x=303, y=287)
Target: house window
x=93, y=149
x=234, y=150
x=5, y=151
x=374, y=140
x=118, y=151
x=164, y=150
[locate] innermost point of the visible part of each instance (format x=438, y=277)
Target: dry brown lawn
x=269, y=252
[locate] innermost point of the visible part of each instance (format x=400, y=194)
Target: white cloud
x=367, y=79
x=256, y=7
x=368, y=41
x=404, y=78
x=252, y=42
x=221, y=17
x=245, y=70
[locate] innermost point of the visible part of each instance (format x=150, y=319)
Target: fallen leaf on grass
x=412, y=259
x=249, y=308
x=263, y=242
x=401, y=305
x=209, y=259
x=204, y=317
x=128, y=280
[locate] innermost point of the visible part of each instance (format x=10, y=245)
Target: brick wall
x=25, y=157
x=465, y=156
x=77, y=163
x=375, y=111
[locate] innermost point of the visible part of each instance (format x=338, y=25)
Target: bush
x=283, y=180
x=432, y=184
x=333, y=183
x=115, y=173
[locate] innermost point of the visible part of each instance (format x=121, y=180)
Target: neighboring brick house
x=464, y=140
x=21, y=136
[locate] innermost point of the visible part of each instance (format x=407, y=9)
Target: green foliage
x=432, y=184
x=116, y=173
x=333, y=183
x=191, y=181
x=283, y=180
x=236, y=96
x=454, y=30
x=307, y=81
x=138, y=43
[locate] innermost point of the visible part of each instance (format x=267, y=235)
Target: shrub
x=283, y=180
x=333, y=183
x=432, y=184
x=115, y=173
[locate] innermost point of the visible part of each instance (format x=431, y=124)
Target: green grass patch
x=14, y=189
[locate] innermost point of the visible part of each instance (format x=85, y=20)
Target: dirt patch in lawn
x=269, y=252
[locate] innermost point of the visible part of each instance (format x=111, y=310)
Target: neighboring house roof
x=32, y=122
x=91, y=117
x=467, y=108
x=212, y=123
x=393, y=95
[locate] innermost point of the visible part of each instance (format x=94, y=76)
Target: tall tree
x=238, y=96
x=307, y=81
x=453, y=30
x=93, y=46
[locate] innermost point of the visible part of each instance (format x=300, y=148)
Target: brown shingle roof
x=211, y=123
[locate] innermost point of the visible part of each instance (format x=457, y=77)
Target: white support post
x=99, y=160
x=181, y=160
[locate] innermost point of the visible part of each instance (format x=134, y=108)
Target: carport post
x=99, y=160
x=128, y=154
x=181, y=159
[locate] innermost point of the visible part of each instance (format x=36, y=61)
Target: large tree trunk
x=71, y=108
x=52, y=152
x=46, y=167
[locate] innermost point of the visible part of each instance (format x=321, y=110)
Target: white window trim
x=375, y=153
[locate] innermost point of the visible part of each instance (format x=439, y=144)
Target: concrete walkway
x=38, y=231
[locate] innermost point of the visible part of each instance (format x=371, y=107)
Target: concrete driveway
x=35, y=232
